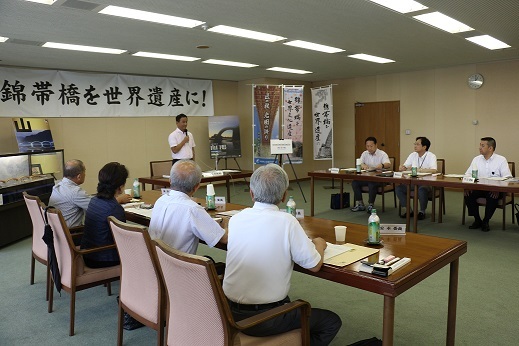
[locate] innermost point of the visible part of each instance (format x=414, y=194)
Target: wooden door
x=382, y=121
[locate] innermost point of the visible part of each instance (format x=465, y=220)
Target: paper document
x=334, y=250
x=420, y=174
x=228, y=213
x=349, y=169
x=356, y=253
x=132, y=204
x=165, y=176
x=496, y=178
x=230, y=171
x=454, y=175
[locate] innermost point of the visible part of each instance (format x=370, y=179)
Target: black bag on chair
x=335, y=202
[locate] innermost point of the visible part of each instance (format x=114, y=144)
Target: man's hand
x=320, y=244
x=123, y=198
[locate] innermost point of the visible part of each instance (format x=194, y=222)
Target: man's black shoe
x=421, y=216
x=485, y=227
x=405, y=215
x=476, y=225
x=131, y=323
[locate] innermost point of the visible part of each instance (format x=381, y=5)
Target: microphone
x=185, y=132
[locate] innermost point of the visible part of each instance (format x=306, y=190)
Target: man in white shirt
x=177, y=219
x=425, y=162
x=488, y=164
x=263, y=245
x=181, y=141
x=372, y=158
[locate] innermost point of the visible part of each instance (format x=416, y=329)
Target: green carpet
x=487, y=297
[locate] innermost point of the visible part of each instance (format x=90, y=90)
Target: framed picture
x=36, y=169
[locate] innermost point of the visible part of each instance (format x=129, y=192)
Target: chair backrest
x=511, y=165
x=160, y=168
x=440, y=166
x=64, y=245
x=198, y=313
x=392, y=160
x=34, y=205
x=140, y=280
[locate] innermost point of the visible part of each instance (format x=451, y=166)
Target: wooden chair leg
x=32, y=268
x=464, y=207
x=120, y=326
x=50, y=288
x=433, y=200
x=72, y=311
x=49, y=283
x=383, y=202
x=109, y=288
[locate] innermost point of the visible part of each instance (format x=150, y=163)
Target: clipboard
x=356, y=253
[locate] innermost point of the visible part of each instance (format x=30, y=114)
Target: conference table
x=428, y=255
x=226, y=176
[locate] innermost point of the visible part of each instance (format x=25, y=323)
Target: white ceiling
x=357, y=26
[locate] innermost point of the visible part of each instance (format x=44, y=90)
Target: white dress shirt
x=495, y=166
x=186, y=152
x=427, y=161
x=379, y=157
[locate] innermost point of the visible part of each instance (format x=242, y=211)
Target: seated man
x=488, y=164
x=70, y=198
x=426, y=162
x=372, y=158
x=177, y=219
x=263, y=245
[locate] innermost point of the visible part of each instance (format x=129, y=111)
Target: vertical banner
x=322, y=116
x=293, y=120
x=266, y=121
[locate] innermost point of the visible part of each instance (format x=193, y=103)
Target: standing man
x=181, y=141
x=263, y=245
x=426, y=162
x=177, y=219
x=70, y=198
x=372, y=158
x=488, y=164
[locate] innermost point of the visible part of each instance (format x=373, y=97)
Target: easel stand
x=280, y=157
x=225, y=158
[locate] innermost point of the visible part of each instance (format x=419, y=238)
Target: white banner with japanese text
x=266, y=121
x=322, y=116
x=293, y=120
x=51, y=93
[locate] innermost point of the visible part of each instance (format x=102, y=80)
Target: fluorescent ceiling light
x=165, y=56
x=3, y=39
x=46, y=2
x=371, y=58
x=150, y=16
x=441, y=21
x=314, y=46
x=288, y=70
x=82, y=48
x=255, y=35
x=402, y=6
x=488, y=42
x=228, y=63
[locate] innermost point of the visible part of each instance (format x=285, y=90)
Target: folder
x=356, y=253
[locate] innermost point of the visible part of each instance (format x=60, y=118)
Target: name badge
x=469, y=180
x=300, y=213
x=334, y=170
x=165, y=191
x=398, y=174
x=219, y=200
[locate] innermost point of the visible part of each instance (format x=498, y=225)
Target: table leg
x=440, y=205
x=415, y=206
x=433, y=216
x=342, y=191
x=389, y=321
x=408, y=217
x=228, y=185
x=453, y=298
x=312, y=196
x=143, y=186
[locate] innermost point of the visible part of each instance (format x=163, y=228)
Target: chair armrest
x=76, y=230
x=94, y=249
x=280, y=310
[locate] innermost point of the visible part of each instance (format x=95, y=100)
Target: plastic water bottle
x=136, y=188
x=475, y=172
x=291, y=206
x=374, y=227
x=210, y=197
x=358, y=164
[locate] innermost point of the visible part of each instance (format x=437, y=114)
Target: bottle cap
x=358, y=162
x=210, y=190
x=373, y=211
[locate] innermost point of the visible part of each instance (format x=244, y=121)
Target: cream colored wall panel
x=388, y=87
x=7, y=139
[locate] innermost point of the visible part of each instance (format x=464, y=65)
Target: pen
x=393, y=261
x=387, y=259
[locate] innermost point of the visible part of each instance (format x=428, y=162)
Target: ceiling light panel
x=150, y=16
x=82, y=48
x=46, y=2
x=3, y=39
x=313, y=46
x=228, y=63
x=288, y=70
x=255, y=35
x=165, y=56
x=402, y=6
x=371, y=58
x=443, y=22
x=488, y=42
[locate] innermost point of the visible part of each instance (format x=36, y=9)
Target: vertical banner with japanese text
x=51, y=93
x=293, y=120
x=322, y=118
x=266, y=121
